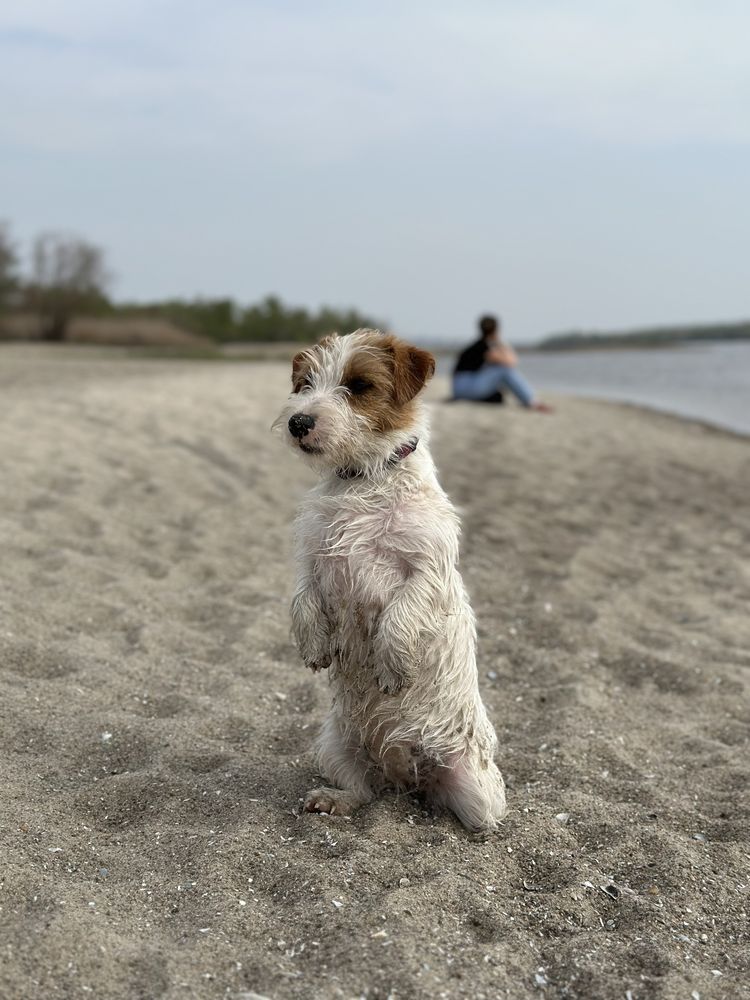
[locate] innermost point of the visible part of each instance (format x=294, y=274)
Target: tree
x=69, y=278
x=8, y=263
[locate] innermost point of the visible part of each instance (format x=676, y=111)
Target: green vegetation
x=223, y=320
x=649, y=337
x=8, y=268
x=68, y=281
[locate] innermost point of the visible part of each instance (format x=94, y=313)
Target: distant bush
x=648, y=337
x=8, y=267
x=270, y=320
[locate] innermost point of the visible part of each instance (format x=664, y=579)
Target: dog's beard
x=309, y=449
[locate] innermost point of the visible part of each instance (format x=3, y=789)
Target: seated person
x=488, y=366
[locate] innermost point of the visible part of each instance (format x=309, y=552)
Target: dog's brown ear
x=300, y=366
x=327, y=340
x=413, y=367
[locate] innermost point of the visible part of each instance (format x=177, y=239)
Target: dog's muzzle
x=300, y=424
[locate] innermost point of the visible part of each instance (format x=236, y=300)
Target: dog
x=379, y=600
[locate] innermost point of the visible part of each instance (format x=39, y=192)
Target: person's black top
x=472, y=359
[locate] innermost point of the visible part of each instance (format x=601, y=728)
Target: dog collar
x=403, y=451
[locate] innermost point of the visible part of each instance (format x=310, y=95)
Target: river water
x=710, y=382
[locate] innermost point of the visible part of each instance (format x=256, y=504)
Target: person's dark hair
x=488, y=325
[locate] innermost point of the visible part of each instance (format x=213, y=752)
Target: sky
x=567, y=165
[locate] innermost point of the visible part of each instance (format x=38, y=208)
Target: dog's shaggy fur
x=379, y=598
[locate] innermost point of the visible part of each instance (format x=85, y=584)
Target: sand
x=156, y=722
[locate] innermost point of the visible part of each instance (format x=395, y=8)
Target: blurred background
x=188, y=176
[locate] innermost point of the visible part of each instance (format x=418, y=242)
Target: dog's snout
x=300, y=424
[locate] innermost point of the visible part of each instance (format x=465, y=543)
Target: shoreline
x=275, y=354
x=682, y=418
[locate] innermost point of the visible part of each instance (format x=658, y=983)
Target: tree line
x=69, y=278
x=661, y=336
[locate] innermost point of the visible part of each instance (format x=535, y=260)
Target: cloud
x=328, y=81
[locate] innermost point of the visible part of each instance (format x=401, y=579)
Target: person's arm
x=512, y=356
x=503, y=354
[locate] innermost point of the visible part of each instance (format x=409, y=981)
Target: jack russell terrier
x=379, y=600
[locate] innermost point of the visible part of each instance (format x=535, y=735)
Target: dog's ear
x=412, y=368
x=327, y=340
x=300, y=367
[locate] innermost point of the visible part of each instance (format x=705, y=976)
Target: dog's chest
x=359, y=554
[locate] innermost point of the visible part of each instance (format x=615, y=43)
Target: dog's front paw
x=315, y=647
x=396, y=659
x=321, y=661
x=312, y=632
x=389, y=682
x=393, y=673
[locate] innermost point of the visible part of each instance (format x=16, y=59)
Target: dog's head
x=354, y=399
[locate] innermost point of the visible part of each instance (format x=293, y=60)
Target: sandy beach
x=156, y=722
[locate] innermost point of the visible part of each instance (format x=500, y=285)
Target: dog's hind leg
x=474, y=790
x=345, y=764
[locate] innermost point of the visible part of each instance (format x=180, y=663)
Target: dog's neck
x=398, y=455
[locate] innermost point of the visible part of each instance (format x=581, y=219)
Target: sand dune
x=156, y=723
x=132, y=331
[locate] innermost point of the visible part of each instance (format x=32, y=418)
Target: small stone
x=562, y=817
x=404, y=881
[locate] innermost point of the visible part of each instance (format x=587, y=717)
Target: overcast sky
x=568, y=165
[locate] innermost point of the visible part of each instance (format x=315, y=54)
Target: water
x=710, y=382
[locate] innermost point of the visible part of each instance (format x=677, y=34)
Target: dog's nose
x=300, y=424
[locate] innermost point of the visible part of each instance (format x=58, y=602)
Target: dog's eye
x=357, y=386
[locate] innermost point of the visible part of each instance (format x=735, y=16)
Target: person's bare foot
x=541, y=408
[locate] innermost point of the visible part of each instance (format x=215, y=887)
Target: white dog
x=379, y=598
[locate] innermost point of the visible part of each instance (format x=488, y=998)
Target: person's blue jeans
x=491, y=379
